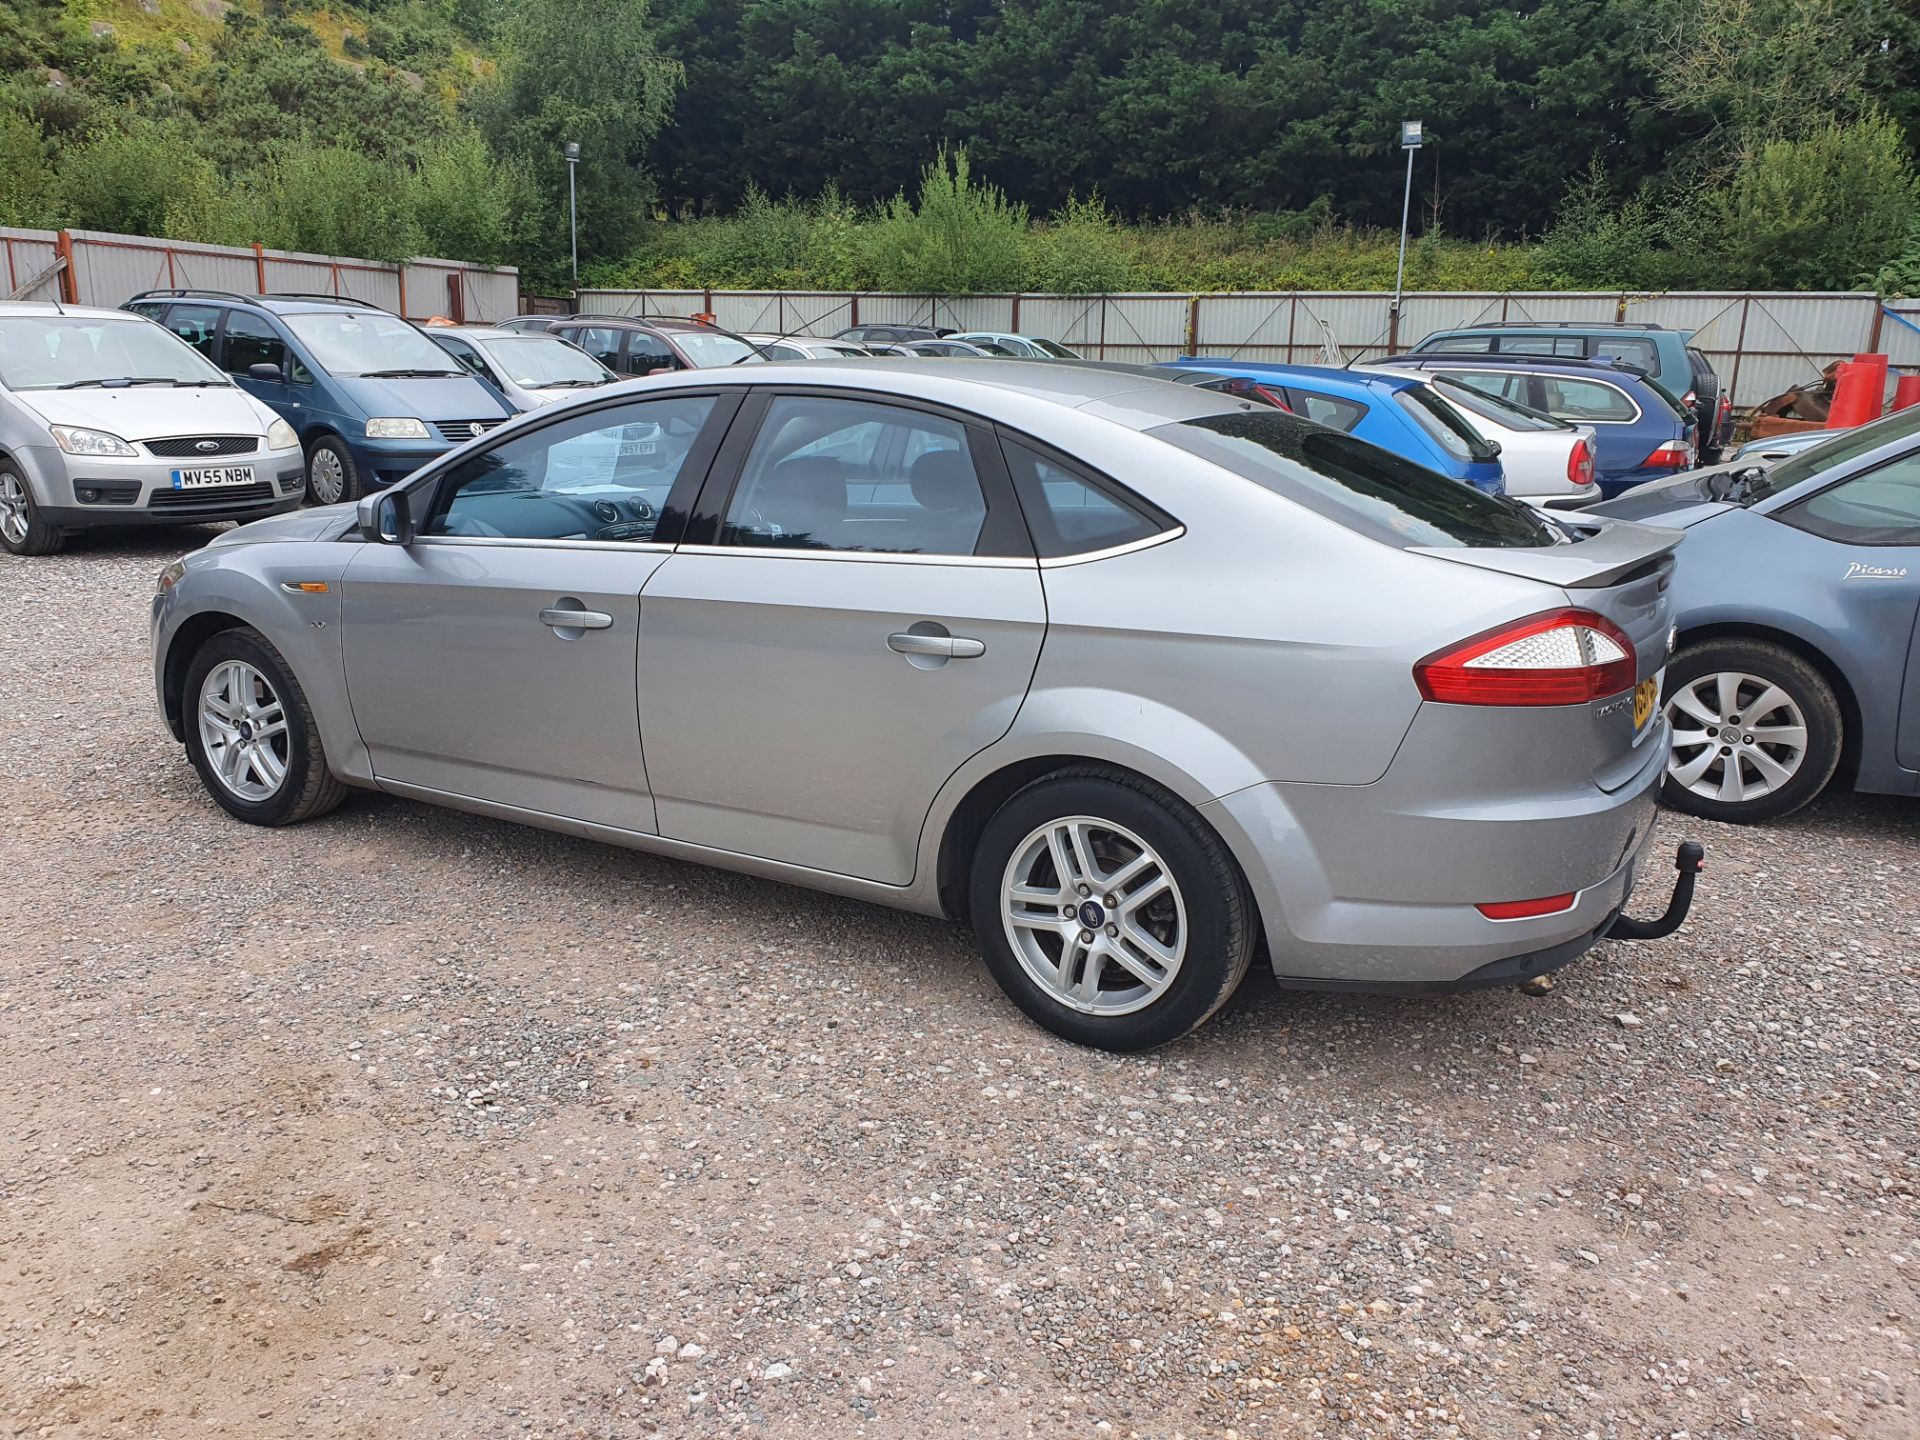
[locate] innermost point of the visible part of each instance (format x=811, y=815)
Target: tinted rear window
x=1356, y=484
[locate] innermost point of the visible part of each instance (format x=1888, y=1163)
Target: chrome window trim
x=1145, y=543
x=885, y=557
x=515, y=542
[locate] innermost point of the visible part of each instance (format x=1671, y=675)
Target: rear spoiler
x=1603, y=552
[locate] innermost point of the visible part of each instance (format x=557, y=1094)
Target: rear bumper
x=1374, y=887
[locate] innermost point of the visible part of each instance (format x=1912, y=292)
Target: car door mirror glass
x=387, y=517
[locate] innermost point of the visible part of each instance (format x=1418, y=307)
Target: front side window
x=47, y=352
x=1072, y=514
x=602, y=342
x=601, y=476
x=368, y=342
x=850, y=475
x=1360, y=486
x=1881, y=507
x=252, y=341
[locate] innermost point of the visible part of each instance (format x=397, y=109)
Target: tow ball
x=1688, y=861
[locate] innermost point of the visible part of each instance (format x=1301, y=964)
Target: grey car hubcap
x=1094, y=915
x=326, y=476
x=243, y=728
x=13, y=510
x=1735, y=736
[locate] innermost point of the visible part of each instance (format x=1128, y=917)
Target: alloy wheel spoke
x=1771, y=699
x=272, y=721
x=1062, y=854
x=1733, y=785
x=1728, y=694
x=1690, y=772
x=1152, y=890
x=1085, y=866
x=1770, y=769
x=1687, y=739
x=1146, y=942
x=1088, y=990
x=233, y=762
x=1687, y=698
x=1794, y=736
x=1128, y=873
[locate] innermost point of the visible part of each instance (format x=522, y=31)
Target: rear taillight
x=1674, y=455
x=1580, y=463
x=1564, y=657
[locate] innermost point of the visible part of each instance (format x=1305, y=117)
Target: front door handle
x=947, y=647
x=561, y=618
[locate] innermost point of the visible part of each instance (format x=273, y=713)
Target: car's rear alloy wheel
x=1108, y=910
x=251, y=734
x=1756, y=730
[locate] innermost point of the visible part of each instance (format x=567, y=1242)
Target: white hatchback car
x=1547, y=461
x=106, y=419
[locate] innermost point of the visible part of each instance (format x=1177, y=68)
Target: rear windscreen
x=1358, y=485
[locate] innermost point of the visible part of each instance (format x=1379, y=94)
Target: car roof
x=1577, y=364
x=477, y=332
x=51, y=311
x=1137, y=401
x=1560, y=325
x=1326, y=377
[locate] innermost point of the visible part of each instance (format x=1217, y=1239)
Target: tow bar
x=1691, y=857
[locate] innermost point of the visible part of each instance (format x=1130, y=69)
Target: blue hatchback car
x=1797, y=597
x=1641, y=432
x=1399, y=413
x=371, y=397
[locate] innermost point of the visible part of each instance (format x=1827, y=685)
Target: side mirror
x=266, y=371
x=386, y=517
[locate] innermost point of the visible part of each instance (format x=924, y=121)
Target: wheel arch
x=194, y=632
x=1850, y=720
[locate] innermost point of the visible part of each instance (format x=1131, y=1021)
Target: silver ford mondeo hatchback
x=1131, y=677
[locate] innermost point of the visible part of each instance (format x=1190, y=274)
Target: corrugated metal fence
x=88, y=267
x=1761, y=342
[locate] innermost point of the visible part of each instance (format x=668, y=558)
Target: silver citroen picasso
x=1132, y=677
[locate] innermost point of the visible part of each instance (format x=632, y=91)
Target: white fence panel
x=1900, y=333
x=28, y=264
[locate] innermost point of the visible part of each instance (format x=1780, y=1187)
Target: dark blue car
x=371, y=397
x=1402, y=414
x=1641, y=432
x=1797, y=597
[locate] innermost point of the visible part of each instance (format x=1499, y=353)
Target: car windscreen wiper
x=563, y=384
x=409, y=374
x=114, y=382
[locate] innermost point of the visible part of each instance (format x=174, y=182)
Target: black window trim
x=1004, y=528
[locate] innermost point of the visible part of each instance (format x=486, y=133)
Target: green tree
x=1079, y=251
x=29, y=193
x=959, y=238
x=124, y=178
x=465, y=204
x=329, y=200
x=587, y=72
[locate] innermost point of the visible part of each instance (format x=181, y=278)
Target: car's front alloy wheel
x=1108, y=910
x=251, y=734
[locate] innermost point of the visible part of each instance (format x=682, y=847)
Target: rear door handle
x=948, y=647
x=561, y=618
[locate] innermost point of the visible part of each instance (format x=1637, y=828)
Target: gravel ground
x=410, y=1119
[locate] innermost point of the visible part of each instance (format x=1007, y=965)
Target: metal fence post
x=69, y=282
x=1193, y=325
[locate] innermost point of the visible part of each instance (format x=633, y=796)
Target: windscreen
x=1361, y=486
x=1846, y=445
x=710, y=348
x=537, y=360
x=368, y=342
x=52, y=352
x=1500, y=410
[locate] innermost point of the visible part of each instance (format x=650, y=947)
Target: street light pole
x=1410, y=140
x=572, y=152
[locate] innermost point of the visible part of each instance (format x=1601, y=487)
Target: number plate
x=637, y=447
x=213, y=476
x=1646, y=699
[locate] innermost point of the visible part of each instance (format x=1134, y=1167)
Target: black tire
x=352, y=486
x=309, y=787
x=39, y=538
x=1221, y=929
x=1803, y=685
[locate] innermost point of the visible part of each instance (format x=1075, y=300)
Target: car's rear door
x=494, y=657
x=856, y=610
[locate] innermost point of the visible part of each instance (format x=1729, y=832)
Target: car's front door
x=248, y=340
x=1873, y=522
x=494, y=657
x=857, y=612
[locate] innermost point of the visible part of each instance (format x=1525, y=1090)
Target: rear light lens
x=1527, y=909
x=1674, y=455
x=1564, y=657
x=1580, y=462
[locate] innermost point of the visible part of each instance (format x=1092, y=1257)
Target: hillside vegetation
x=956, y=145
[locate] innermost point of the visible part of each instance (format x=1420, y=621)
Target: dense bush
x=958, y=238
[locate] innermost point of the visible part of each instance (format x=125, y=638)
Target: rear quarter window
x=1367, y=489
